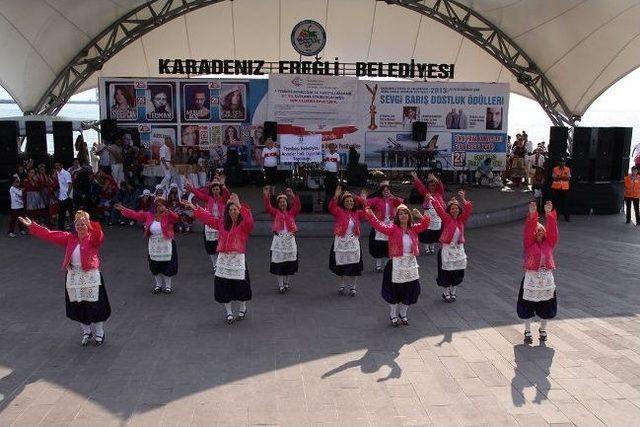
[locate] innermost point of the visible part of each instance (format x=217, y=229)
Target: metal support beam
x=450, y=13
x=496, y=43
x=108, y=43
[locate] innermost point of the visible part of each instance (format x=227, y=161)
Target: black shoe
x=528, y=338
x=167, y=291
x=394, y=321
x=100, y=339
x=404, y=320
x=242, y=314
x=86, y=338
x=353, y=292
x=157, y=290
x=341, y=290
x=446, y=298
x=543, y=335
x=229, y=319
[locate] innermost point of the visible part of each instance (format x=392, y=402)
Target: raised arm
x=247, y=219
x=334, y=209
x=442, y=213
x=173, y=217
x=134, y=215
x=551, y=225
x=377, y=224
x=466, y=211
x=200, y=194
x=96, y=235
x=296, y=205
x=43, y=233
x=266, y=200
x=422, y=189
x=205, y=217
x=530, y=224
x=425, y=220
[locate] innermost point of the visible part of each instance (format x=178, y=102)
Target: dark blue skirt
x=543, y=309
x=89, y=312
x=166, y=268
x=394, y=293
x=210, y=246
x=430, y=236
x=377, y=248
x=354, y=269
x=227, y=290
x=286, y=268
x=448, y=278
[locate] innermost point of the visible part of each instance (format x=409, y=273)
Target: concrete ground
x=312, y=357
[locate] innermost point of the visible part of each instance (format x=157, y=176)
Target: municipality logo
x=308, y=38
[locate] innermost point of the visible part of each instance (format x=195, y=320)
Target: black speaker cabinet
x=8, y=146
x=621, y=152
x=583, y=154
x=271, y=130
x=63, y=143
x=37, y=142
x=597, y=198
x=419, y=131
x=558, y=136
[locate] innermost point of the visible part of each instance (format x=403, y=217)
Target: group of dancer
x=397, y=233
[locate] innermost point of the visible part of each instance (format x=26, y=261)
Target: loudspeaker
x=599, y=198
x=604, y=153
x=109, y=130
x=37, y=142
x=63, y=143
x=419, y=131
x=621, y=152
x=270, y=130
x=8, y=147
x=558, y=136
x=583, y=154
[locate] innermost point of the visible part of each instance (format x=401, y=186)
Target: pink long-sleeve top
x=396, y=233
x=342, y=217
x=89, y=244
x=167, y=219
x=449, y=224
x=235, y=239
x=220, y=201
x=540, y=254
x=379, y=205
x=280, y=218
x=424, y=192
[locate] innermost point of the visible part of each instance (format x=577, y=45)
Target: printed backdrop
x=466, y=122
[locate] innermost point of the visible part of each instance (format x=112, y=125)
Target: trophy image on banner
x=372, y=107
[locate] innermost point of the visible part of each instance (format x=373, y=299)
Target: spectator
x=17, y=208
x=104, y=162
x=484, y=173
x=117, y=168
x=65, y=203
x=145, y=201
x=126, y=196
x=83, y=151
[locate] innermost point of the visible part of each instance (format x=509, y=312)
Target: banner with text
x=301, y=149
x=466, y=123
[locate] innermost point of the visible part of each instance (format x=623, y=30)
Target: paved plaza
x=312, y=357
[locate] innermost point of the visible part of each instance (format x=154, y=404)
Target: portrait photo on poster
x=158, y=137
x=410, y=114
x=456, y=119
x=190, y=135
x=159, y=101
x=122, y=102
x=494, y=118
x=130, y=136
x=231, y=136
x=196, y=102
x=233, y=102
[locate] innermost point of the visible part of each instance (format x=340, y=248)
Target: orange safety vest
x=558, y=184
x=632, y=187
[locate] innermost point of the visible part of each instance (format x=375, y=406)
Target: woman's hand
x=288, y=192
x=414, y=175
x=188, y=205
x=235, y=199
x=548, y=206
x=416, y=213
x=25, y=221
x=266, y=191
x=533, y=208
x=363, y=193
x=368, y=211
x=338, y=192
x=118, y=207
x=462, y=194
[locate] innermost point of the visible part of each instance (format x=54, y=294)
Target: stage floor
x=312, y=357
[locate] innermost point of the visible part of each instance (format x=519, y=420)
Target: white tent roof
x=583, y=46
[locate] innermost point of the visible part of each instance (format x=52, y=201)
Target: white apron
x=284, y=248
x=210, y=233
x=83, y=285
x=436, y=221
x=347, y=249
x=405, y=269
x=381, y=237
x=538, y=285
x=160, y=249
x=230, y=265
x=453, y=254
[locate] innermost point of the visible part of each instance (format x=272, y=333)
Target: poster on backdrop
x=214, y=115
x=301, y=149
x=474, y=114
x=312, y=100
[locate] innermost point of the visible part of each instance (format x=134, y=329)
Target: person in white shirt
x=65, y=203
x=165, y=162
x=270, y=156
x=104, y=161
x=331, y=168
x=17, y=207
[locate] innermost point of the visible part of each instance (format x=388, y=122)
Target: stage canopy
x=579, y=47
